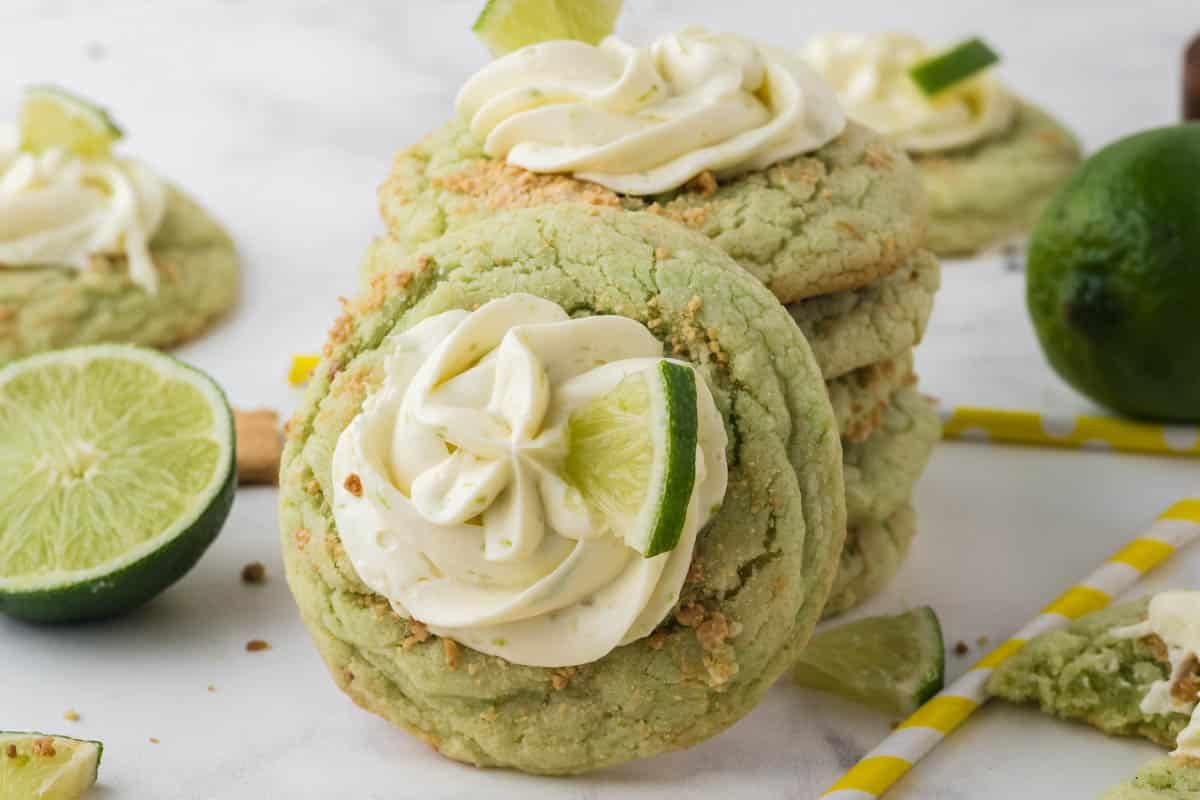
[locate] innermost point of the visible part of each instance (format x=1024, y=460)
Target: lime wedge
x=35, y=766
x=53, y=117
x=892, y=664
x=632, y=455
x=941, y=72
x=116, y=473
x=507, y=25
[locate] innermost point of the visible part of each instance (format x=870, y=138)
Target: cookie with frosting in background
x=471, y=637
x=989, y=160
x=96, y=247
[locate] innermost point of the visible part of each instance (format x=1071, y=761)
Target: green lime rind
x=682, y=429
x=891, y=664
x=142, y=568
x=23, y=741
x=78, y=125
x=508, y=25
x=944, y=71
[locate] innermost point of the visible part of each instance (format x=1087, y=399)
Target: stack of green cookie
x=836, y=235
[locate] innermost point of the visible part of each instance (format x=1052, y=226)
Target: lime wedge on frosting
x=117, y=471
x=53, y=117
x=507, y=25
x=35, y=766
x=892, y=664
x=632, y=455
x=946, y=70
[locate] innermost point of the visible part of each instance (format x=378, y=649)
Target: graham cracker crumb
x=313, y=487
x=1156, y=646
x=257, y=646
x=254, y=573
x=662, y=253
x=353, y=484
x=695, y=573
x=878, y=158
x=419, y=633
x=501, y=185
x=561, y=678
x=153, y=740
x=44, y=747
x=690, y=615
x=850, y=229
x=720, y=671
x=713, y=632
x=657, y=640
x=1187, y=688
x=705, y=184
x=11, y=751
x=961, y=649
x=71, y=715
x=302, y=538
x=452, y=652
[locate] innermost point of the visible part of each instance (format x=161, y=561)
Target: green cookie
x=881, y=471
x=996, y=189
x=836, y=219
x=1081, y=672
x=873, y=553
x=852, y=329
x=1161, y=779
x=859, y=398
x=762, y=568
x=44, y=308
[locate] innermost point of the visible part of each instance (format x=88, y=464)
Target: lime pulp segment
x=53, y=117
x=37, y=766
x=507, y=25
x=632, y=455
x=117, y=472
x=892, y=664
x=941, y=72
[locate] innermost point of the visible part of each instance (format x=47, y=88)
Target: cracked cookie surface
x=836, y=219
x=762, y=568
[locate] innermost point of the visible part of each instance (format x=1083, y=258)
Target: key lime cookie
x=96, y=247
x=1161, y=779
x=988, y=159
x=475, y=481
x=1129, y=670
x=734, y=139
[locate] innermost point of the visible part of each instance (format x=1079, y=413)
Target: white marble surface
x=281, y=117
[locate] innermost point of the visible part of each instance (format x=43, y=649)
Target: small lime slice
x=632, y=455
x=941, y=72
x=507, y=25
x=116, y=473
x=892, y=664
x=53, y=117
x=37, y=766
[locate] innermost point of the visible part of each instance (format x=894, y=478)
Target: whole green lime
x=1114, y=276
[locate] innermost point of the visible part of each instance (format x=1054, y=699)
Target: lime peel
x=946, y=70
x=52, y=117
x=508, y=25
x=47, y=766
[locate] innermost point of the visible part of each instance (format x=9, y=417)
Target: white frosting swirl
x=1175, y=618
x=448, y=495
x=643, y=120
x=869, y=72
x=58, y=209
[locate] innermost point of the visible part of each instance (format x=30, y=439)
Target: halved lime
x=117, y=471
x=53, y=117
x=945, y=70
x=507, y=25
x=632, y=455
x=37, y=766
x=892, y=664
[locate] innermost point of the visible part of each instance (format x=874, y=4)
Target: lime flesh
x=52, y=117
x=117, y=472
x=36, y=766
x=507, y=25
x=632, y=455
x=892, y=664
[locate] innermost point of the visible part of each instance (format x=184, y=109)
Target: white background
x=281, y=117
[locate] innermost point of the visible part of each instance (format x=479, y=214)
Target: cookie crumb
x=71, y=715
x=419, y=634
x=353, y=484
x=657, y=640
x=153, y=740
x=257, y=646
x=450, y=648
x=254, y=573
x=11, y=751
x=690, y=615
x=961, y=649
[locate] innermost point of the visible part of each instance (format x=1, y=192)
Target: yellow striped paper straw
x=1101, y=433
x=879, y=769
